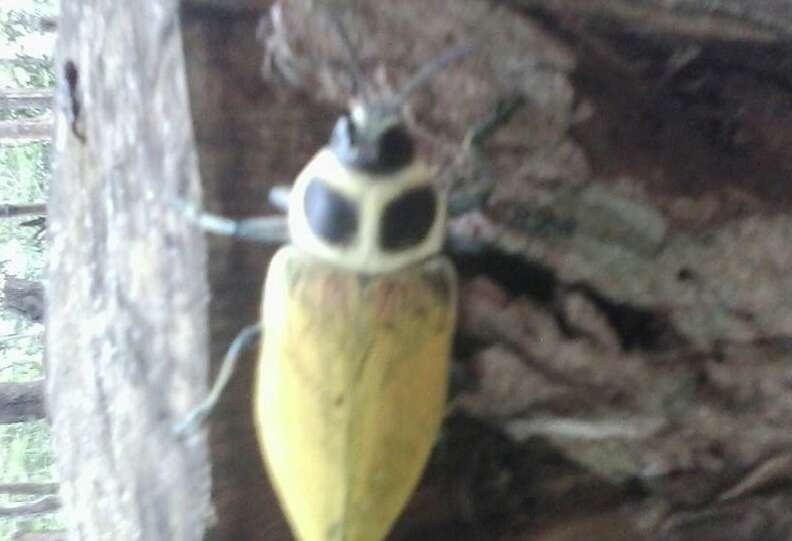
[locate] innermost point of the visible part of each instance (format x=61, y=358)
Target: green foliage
x=26, y=61
x=25, y=456
x=25, y=71
x=25, y=171
x=24, y=174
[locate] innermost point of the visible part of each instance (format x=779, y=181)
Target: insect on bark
x=358, y=313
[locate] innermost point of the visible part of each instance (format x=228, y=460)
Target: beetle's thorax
x=365, y=202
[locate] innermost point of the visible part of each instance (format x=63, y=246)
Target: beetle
x=357, y=318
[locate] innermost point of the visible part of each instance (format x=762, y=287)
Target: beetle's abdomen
x=351, y=389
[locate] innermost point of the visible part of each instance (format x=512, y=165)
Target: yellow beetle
x=358, y=314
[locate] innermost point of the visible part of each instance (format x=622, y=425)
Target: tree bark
x=126, y=323
x=21, y=402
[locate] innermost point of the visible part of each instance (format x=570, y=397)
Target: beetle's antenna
x=429, y=70
x=359, y=83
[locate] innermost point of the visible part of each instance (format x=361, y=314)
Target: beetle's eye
x=331, y=216
x=408, y=219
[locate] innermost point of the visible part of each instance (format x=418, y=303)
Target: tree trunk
x=20, y=402
x=625, y=326
x=25, y=130
x=45, y=504
x=28, y=488
x=126, y=322
x=10, y=210
x=24, y=297
x=19, y=98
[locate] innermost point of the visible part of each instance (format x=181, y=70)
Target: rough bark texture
x=626, y=328
x=20, y=402
x=127, y=295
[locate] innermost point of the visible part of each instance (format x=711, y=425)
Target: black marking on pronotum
x=375, y=152
x=408, y=219
x=331, y=216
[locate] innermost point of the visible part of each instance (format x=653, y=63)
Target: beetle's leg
x=461, y=202
x=243, y=341
x=465, y=199
x=265, y=229
x=500, y=114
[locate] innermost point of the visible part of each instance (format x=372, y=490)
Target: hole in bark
x=637, y=327
x=518, y=276
x=685, y=274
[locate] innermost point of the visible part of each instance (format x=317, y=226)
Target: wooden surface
x=625, y=336
x=126, y=320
